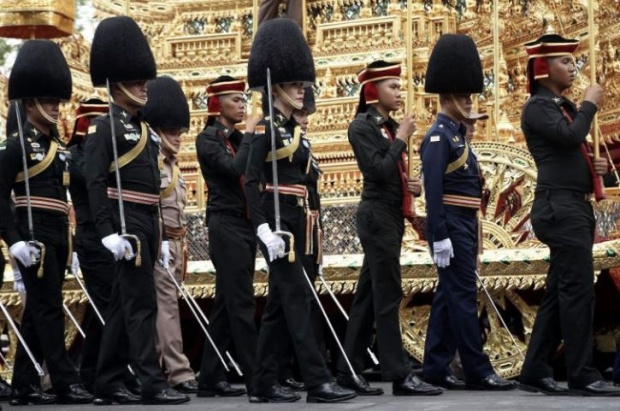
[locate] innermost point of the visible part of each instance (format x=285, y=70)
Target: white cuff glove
x=118, y=246
x=165, y=254
x=75, y=263
x=25, y=253
x=18, y=283
x=274, y=243
x=442, y=252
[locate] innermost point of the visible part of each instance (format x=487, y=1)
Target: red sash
x=597, y=181
x=408, y=199
x=242, y=178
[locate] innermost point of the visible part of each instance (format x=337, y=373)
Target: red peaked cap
x=216, y=89
x=548, y=45
x=369, y=77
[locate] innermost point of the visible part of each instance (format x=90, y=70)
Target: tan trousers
x=269, y=10
x=168, y=339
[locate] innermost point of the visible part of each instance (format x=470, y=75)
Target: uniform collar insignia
x=557, y=100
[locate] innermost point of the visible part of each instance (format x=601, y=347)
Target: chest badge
x=132, y=136
x=455, y=139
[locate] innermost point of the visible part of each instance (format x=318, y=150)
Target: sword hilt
x=135, y=244
x=38, y=260
x=291, y=239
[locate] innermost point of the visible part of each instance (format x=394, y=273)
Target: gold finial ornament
x=42, y=19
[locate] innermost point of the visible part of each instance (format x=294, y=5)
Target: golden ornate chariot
x=196, y=41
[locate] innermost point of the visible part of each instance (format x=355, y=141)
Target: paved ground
x=454, y=400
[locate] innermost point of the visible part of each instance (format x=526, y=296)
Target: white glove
x=75, y=263
x=118, y=246
x=18, y=283
x=442, y=252
x=165, y=254
x=25, y=252
x=274, y=243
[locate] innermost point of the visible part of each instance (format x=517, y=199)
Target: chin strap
x=43, y=113
x=459, y=107
x=139, y=101
x=295, y=104
x=166, y=144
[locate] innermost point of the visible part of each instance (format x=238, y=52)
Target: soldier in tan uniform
x=167, y=113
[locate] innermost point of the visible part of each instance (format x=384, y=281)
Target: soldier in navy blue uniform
x=121, y=55
x=280, y=46
x=453, y=190
x=40, y=79
x=222, y=152
x=379, y=144
x=555, y=131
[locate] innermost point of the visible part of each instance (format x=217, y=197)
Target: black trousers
x=232, y=247
x=564, y=222
x=128, y=336
x=287, y=312
x=378, y=295
x=287, y=366
x=97, y=266
x=43, y=321
x=453, y=322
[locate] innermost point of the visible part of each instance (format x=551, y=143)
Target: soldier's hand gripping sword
x=326, y=286
x=34, y=257
x=195, y=309
x=117, y=172
x=9, y=319
x=278, y=231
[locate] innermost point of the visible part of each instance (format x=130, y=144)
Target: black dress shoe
x=598, y=388
x=543, y=385
x=329, y=392
x=492, y=382
x=293, y=384
x=121, y=396
x=187, y=387
x=276, y=393
x=5, y=390
x=134, y=386
x=74, y=394
x=449, y=382
x=413, y=385
x=358, y=384
x=222, y=389
x=31, y=395
x=166, y=396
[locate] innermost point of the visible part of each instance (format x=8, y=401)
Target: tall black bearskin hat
x=40, y=71
x=120, y=53
x=221, y=86
x=166, y=106
x=84, y=114
x=539, y=50
x=309, y=102
x=11, y=117
x=454, y=66
x=368, y=78
x=280, y=46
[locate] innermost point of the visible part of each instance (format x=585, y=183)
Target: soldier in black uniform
x=120, y=54
x=555, y=131
x=280, y=45
x=90, y=255
x=313, y=254
x=453, y=190
x=223, y=152
x=41, y=79
x=379, y=144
